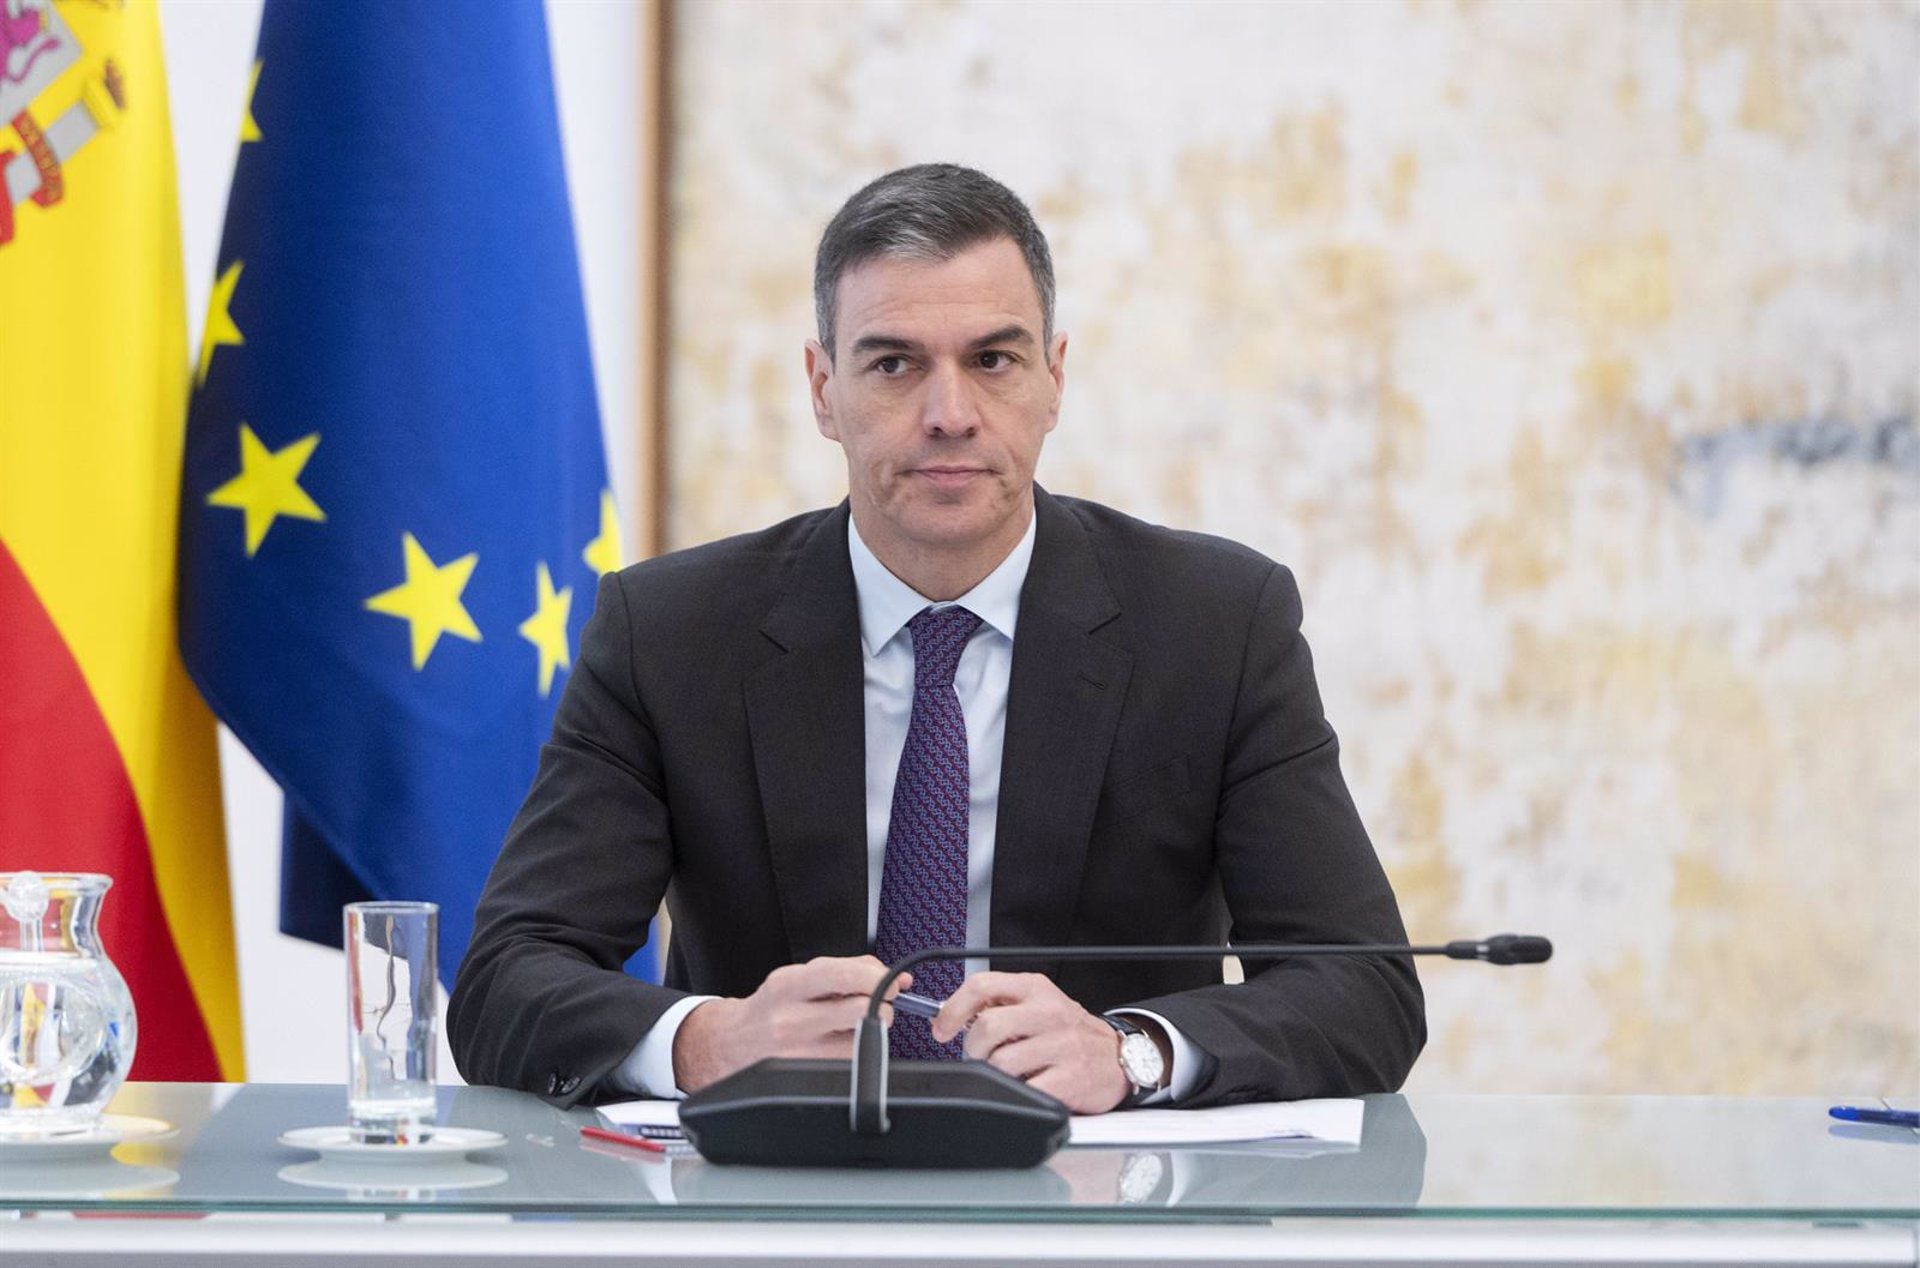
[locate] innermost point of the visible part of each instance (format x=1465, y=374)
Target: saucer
x=446, y=1142
x=94, y=1142
x=382, y=1182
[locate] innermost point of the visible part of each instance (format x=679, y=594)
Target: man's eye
x=890, y=365
x=993, y=359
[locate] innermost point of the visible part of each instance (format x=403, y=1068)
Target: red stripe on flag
x=66, y=805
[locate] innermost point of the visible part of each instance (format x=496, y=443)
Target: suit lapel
x=808, y=727
x=1063, y=704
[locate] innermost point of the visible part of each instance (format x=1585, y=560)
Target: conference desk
x=1436, y=1179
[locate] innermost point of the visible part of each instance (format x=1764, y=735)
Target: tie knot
x=938, y=639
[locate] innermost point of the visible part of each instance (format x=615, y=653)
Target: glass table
x=1457, y=1178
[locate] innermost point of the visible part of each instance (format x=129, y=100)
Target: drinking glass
x=391, y=1020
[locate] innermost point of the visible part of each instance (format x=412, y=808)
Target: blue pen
x=916, y=1005
x=1869, y=1114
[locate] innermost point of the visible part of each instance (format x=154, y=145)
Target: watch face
x=1140, y=1176
x=1140, y=1057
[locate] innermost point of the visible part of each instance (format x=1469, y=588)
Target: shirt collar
x=888, y=603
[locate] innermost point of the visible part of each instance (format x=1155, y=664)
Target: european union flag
x=394, y=505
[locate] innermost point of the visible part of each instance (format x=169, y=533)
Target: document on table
x=643, y=1113
x=1334, y=1121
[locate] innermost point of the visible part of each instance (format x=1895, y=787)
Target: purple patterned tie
x=923, y=882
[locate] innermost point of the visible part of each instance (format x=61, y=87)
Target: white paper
x=643, y=1113
x=1335, y=1121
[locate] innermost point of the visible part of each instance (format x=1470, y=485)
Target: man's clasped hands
x=1018, y=1022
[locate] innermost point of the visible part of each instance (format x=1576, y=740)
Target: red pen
x=622, y=1138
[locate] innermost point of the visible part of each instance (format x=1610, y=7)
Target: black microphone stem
x=868, y=1099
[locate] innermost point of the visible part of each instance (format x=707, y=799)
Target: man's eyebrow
x=883, y=343
x=1006, y=334
x=1010, y=334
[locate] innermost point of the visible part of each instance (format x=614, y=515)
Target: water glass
x=392, y=1020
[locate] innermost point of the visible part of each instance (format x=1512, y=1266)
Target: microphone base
x=785, y=1112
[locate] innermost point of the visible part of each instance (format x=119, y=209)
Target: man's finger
x=829, y=977
x=804, y=1022
x=1024, y=1058
x=833, y=977
x=826, y=1028
x=982, y=990
x=843, y=1014
x=999, y=1024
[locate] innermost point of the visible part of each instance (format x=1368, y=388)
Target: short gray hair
x=932, y=211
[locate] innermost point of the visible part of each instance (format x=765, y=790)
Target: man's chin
x=956, y=523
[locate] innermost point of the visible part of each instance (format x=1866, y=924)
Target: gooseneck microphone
x=868, y=1103
x=959, y=1114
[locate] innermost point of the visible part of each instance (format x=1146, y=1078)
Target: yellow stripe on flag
x=93, y=389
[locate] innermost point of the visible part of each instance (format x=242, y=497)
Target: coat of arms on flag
x=37, y=47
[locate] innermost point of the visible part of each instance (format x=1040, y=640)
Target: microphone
x=1501, y=948
x=786, y=1112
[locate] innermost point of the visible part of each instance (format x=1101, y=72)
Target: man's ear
x=1057, y=367
x=819, y=372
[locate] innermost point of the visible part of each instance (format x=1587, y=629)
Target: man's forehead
x=967, y=296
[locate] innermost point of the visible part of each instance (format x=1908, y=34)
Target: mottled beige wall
x=1567, y=352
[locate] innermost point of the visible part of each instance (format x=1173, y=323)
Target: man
x=954, y=709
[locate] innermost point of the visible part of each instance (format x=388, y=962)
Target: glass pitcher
x=67, y=1029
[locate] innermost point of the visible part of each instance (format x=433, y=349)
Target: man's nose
x=949, y=407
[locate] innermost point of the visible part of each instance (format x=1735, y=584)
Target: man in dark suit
x=954, y=709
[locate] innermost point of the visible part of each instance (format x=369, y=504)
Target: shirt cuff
x=648, y=1069
x=1187, y=1060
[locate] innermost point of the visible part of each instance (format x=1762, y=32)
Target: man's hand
x=801, y=1010
x=1027, y=1026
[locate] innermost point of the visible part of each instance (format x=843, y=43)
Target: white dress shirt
x=981, y=681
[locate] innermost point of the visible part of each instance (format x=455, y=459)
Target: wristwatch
x=1140, y=1059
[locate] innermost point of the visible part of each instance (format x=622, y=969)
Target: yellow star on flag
x=546, y=629
x=220, y=330
x=603, y=552
x=429, y=600
x=268, y=485
x=249, y=130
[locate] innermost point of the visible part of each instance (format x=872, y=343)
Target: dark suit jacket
x=1167, y=777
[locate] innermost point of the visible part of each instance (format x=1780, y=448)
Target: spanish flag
x=107, y=757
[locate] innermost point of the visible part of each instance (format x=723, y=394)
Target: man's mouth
x=949, y=475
